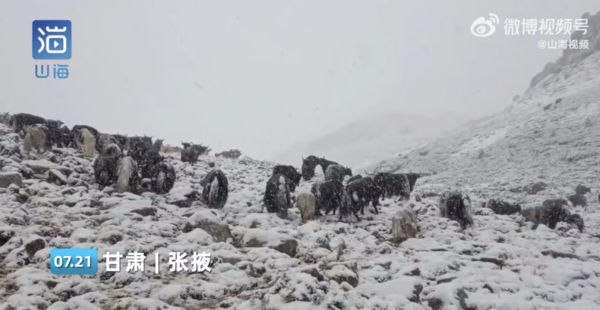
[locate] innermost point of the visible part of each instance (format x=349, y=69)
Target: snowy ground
x=264, y=262
x=551, y=134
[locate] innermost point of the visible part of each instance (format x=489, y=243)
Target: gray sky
x=264, y=75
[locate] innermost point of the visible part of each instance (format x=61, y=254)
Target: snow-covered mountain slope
x=366, y=141
x=571, y=56
x=551, y=134
x=261, y=261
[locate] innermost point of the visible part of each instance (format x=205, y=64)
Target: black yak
x=20, y=120
x=550, y=213
x=66, y=137
x=231, y=154
x=138, y=147
x=310, y=163
x=121, y=141
x=329, y=196
x=503, y=207
x=337, y=172
x=56, y=133
x=290, y=172
x=215, y=189
x=412, y=179
x=582, y=189
x=191, y=152
x=145, y=153
x=578, y=200
x=106, y=165
x=277, y=197
x=393, y=184
x=363, y=191
x=163, y=178
x=456, y=206
x=105, y=140
x=354, y=178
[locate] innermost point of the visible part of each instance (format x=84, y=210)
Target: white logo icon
x=485, y=26
x=55, y=43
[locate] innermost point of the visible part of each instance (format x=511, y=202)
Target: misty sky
x=264, y=75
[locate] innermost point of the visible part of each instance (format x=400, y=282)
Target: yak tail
x=214, y=190
x=88, y=143
x=125, y=173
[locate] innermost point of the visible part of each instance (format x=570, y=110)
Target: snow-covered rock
x=8, y=178
x=404, y=225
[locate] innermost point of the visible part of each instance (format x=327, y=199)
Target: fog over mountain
x=268, y=75
x=366, y=141
x=550, y=133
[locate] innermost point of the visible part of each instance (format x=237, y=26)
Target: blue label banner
x=74, y=261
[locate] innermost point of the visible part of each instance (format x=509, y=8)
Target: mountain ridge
x=551, y=133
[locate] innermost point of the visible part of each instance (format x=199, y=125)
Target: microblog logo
x=485, y=26
x=51, y=39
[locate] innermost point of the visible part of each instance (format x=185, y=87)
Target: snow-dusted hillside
x=551, y=134
x=261, y=261
x=366, y=141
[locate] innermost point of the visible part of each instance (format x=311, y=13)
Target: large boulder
x=404, y=225
x=535, y=188
x=5, y=235
x=341, y=273
x=56, y=176
x=35, y=245
x=578, y=200
x=8, y=178
x=42, y=166
x=209, y=222
x=288, y=247
x=145, y=211
x=582, y=189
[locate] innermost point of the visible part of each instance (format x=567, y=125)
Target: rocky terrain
x=541, y=147
x=260, y=261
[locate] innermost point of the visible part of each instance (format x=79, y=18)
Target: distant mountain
x=572, y=56
x=550, y=134
x=366, y=141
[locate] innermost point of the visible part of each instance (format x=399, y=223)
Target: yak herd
x=349, y=194
x=340, y=191
x=134, y=164
x=129, y=164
